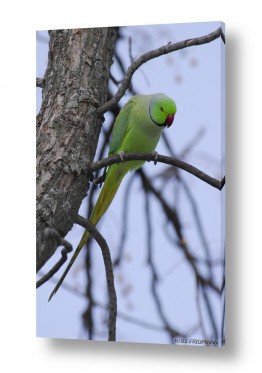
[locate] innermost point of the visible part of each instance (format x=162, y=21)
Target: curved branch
x=160, y=158
x=153, y=54
x=109, y=274
x=47, y=234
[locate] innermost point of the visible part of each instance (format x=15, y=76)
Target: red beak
x=169, y=120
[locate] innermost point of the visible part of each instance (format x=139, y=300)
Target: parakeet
x=137, y=128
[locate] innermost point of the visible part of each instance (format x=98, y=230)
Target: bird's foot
x=155, y=155
x=91, y=177
x=122, y=156
x=101, y=178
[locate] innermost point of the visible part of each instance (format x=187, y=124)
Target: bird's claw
x=122, y=156
x=91, y=177
x=101, y=178
x=155, y=155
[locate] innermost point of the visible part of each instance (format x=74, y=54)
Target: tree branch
x=124, y=219
x=172, y=216
x=153, y=54
x=40, y=82
x=88, y=314
x=109, y=274
x=47, y=234
x=172, y=333
x=160, y=158
x=121, y=315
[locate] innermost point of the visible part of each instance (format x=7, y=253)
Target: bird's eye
x=161, y=109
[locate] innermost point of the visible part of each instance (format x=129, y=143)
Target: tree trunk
x=68, y=126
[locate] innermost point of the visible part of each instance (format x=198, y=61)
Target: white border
x=19, y=347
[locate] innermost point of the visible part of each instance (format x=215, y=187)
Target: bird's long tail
x=114, y=177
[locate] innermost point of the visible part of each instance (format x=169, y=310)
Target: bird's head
x=162, y=110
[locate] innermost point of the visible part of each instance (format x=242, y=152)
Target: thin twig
x=161, y=159
x=199, y=311
x=130, y=49
x=153, y=54
x=210, y=312
x=114, y=80
x=109, y=274
x=191, y=198
x=174, y=219
x=172, y=216
x=199, y=224
x=53, y=234
x=121, y=315
x=172, y=333
x=124, y=220
x=122, y=68
x=87, y=315
x=192, y=143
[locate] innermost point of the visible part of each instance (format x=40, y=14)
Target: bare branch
x=188, y=148
x=172, y=333
x=124, y=220
x=40, y=82
x=199, y=224
x=88, y=315
x=130, y=49
x=153, y=54
x=50, y=233
x=210, y=311
x=109, y=274
x=162, y=159
x=121, y=315
x=172, y=216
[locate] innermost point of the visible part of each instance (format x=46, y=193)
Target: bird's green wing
x=121, y=127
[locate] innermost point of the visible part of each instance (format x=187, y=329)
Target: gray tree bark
x=68, y=127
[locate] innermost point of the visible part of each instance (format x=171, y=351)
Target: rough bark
x=68, y=126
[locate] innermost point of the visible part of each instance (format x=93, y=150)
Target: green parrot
x=137, y=128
